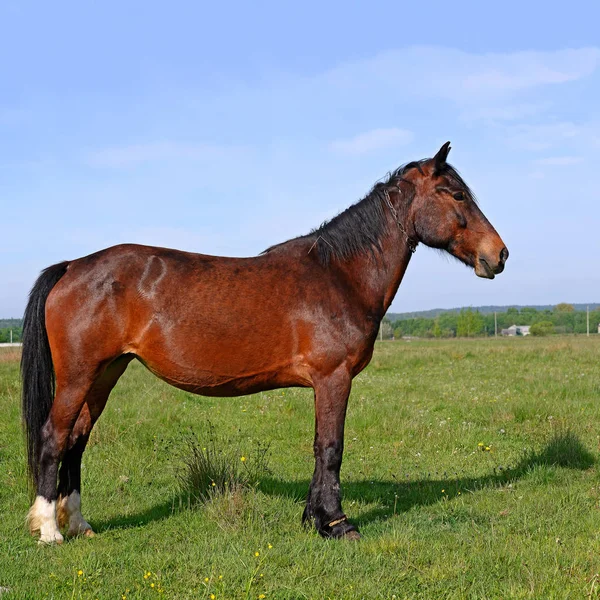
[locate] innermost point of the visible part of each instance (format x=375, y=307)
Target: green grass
x=441, y=516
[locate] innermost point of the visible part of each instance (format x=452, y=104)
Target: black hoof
x=342, y=529
x=338, y=528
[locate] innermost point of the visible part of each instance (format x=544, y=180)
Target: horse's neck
x=377, y=276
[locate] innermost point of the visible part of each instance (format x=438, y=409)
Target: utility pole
x=588, y=321
x=495, y=324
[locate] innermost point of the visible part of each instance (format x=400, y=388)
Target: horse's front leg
x=323, y=503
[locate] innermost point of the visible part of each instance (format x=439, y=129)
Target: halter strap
x=412, y=244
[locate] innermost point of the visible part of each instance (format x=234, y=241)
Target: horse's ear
x=439, y=160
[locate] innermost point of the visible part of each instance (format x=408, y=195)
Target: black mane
x=362, y=227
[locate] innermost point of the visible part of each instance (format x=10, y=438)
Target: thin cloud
x=504, y=112
x=559, y=161
x=474, y=82
x=376, y=139
x=522, y=70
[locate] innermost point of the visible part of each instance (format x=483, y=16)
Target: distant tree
x=470, y=323
x=5, y=334
x=528, y=315
x=448, y=323
x=385, y=330
x=437, y=330
x=564, y=307
x=542, y=328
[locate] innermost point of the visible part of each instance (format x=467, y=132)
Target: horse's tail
x=37, y=370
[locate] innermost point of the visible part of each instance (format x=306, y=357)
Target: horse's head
x=443, y=214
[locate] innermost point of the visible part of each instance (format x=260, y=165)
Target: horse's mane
x=362, y=227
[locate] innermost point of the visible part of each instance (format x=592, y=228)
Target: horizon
x=175, y=135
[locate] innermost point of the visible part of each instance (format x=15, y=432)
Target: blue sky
x=226, y=128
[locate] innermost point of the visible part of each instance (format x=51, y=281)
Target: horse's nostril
x=503, y=255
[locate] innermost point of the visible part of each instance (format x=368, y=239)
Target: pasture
x=470, y=467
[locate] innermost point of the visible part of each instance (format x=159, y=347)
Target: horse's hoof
x=76, y=532
x=342, y=530
x=51, y=539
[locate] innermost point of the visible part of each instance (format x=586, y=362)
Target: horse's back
x=211, y=324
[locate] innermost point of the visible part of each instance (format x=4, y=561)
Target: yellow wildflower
x=79, y=573
x=270, y=546
x=212, y=597
x=257, y=554
x=261, y=597
x=243, y=459
x=152, y=585
x=206, y=580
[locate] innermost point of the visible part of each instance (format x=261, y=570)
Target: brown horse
x=312, y=309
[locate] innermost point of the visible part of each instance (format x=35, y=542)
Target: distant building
x=515, y=330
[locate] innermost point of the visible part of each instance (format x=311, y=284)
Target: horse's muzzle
x=489, y=268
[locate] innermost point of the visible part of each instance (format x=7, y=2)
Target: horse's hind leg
x=68, y=402
x=69, y=477
x=68, y=507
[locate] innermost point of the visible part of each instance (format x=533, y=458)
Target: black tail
x=37, y=371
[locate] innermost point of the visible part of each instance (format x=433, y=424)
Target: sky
x=224, y=128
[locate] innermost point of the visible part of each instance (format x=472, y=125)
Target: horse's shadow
x=395, y=496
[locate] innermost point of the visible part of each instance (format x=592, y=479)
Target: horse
x=312, y=309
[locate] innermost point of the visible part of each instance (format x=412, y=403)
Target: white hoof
x=42, y=519
x=80, y=528
x=51, y=537
x=69, y=513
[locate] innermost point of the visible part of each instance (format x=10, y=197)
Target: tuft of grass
x=564, y=449
x=212, y=465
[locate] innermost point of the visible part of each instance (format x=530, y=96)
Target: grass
x=442, y=516
x=212, y=466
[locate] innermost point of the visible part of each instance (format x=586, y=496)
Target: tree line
x=563, y=318
x=17, y=333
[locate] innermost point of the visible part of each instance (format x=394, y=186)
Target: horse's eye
x=459, y=196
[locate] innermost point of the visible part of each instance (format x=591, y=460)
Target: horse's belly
x=218, y=382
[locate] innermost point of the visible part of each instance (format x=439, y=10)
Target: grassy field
x=470, y=468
